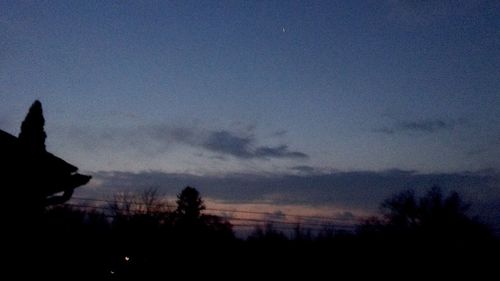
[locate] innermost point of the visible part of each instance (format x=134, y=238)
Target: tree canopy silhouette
x=192, y=224
x=189, y=204
x=431, y=217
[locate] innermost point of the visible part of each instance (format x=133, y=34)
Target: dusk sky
x=336, y=103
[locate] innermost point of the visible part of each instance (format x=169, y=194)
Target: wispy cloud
x=280, y=151
x=226, y=142
x=220, y=142
x=304, y=169
x=223, y=142
x=427, y=126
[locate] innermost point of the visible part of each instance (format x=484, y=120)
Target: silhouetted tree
x=152, y=202
x=122, y=205
x=268, y=234
x=145, y=213
x=32, y=134
x=401, y=210
x=189, y=204
x=433, y=217
x=192, y=224
x=302, y=234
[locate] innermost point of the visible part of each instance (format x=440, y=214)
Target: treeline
x=141, y=237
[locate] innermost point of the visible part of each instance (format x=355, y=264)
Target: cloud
x=349, y=190
x=358, y=192
x=420, y=126
x=304, y=169
x=280, y=151
x=224, y=142
x=154, y=139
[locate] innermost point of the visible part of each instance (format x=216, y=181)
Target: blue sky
x=257, y=87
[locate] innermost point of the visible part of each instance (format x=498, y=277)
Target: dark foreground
x=62, y=247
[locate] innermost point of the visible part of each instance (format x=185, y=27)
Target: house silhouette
x=30, y=176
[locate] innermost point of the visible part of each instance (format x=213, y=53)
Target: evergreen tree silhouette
x=32, y=134
x=191, y=223
x=189, y=204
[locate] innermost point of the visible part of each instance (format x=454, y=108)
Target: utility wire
x=323, y=218
x=252, y=220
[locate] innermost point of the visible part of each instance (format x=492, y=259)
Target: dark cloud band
x=357, y=189
x=419, y=126
x=225, y=142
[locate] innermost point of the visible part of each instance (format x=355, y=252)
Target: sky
x=271, y=95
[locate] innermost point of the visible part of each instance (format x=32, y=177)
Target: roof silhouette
x=30, y=174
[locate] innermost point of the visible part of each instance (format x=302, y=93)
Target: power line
x=323, y=218
x=323, y=223
x=278, y=227
x=282, y=214
x=316, y=223
x=289, y=223
x=87, y=206
x=261, y=221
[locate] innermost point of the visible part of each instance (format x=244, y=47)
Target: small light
x=127, y=258
x=112, y=272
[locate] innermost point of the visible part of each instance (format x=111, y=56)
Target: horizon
x=303, y=103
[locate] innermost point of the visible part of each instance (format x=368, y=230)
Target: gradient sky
x=257, y=87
